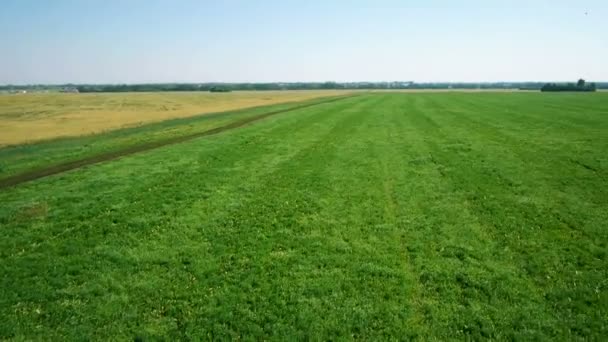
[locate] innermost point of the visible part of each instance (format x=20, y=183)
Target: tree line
x=581, y=85
x=224, y=87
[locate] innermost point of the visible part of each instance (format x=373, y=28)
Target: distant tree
x=579, y=86
x=219, y=90
x=329, y=85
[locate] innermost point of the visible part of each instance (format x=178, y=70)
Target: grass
x=34, y=117
x=405, y=216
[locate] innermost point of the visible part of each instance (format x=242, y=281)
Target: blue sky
x=131, y=41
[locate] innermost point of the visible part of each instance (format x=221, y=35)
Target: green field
x=434, y=216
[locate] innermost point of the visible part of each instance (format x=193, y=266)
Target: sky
x=148, y=41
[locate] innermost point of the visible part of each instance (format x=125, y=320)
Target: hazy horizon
x=113, y=42
x=294, y=82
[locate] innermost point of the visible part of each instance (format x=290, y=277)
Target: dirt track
x=68, y=166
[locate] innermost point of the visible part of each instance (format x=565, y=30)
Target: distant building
x=69, y=90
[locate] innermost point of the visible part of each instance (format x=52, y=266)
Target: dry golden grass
x=32, y=117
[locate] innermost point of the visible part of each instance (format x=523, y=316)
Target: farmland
x=433, y=216
x=34, y=117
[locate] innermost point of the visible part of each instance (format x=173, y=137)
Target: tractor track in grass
x=103, y=157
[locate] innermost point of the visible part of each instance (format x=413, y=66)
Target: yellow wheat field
x=32, y=117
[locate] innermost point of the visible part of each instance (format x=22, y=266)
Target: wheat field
x=33, y=117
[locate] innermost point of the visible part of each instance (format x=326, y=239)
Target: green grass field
x=434, y=216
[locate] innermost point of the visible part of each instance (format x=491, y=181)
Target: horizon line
x=290, y=82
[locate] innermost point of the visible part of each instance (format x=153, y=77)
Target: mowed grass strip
x=430, y=216
x=26, y=118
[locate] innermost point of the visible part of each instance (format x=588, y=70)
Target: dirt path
x=68, y=166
